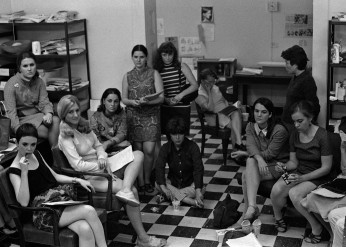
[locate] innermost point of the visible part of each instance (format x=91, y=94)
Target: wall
x=114, y=27
x=243, y=29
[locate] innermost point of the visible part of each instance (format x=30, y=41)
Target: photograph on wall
x=189, y=46
x=207, y=15
x=298, y=25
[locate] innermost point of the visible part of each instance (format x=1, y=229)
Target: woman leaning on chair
x=85, y=153
x=309, y=165
x=34, y=182
x=266, y=144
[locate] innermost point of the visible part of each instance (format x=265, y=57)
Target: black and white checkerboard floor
x=194, y=227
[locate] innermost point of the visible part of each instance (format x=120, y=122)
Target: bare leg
x=42, y=132
x=236, y=125
x=148, y=149
x=279, y=196
x=139, y=146
x=296, y=194
x=88, y=214
x=85, y=234
x=132, y=171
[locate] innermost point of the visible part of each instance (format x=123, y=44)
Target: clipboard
x=153, y=96
x=121, y=158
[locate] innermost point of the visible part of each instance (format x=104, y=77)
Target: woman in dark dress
x=309, y=165
x=34, y=183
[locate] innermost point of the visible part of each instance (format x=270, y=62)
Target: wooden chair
x=100, y=199
x=214, y=131
x=27, y=232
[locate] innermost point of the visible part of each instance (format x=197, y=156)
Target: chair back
x=206, y=129
x=335, y=142
x=7, y=194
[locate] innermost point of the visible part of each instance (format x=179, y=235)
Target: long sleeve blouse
x=82, y=150
x=25, y=98
x=276, y=147
x=114, y=128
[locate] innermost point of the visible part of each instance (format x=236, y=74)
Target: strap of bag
x=1, y=109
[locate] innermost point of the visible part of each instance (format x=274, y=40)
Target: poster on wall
x=298, y=25
x=189, y=46
x=207, y=15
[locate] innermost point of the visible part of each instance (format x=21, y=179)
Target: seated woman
x=309, y=165
x=266, y=144
x=109, y=121
x=33, y=180
x=85, y=153
x=26, y=100
x=332, y=209
x=185, y=176
x=211, y=99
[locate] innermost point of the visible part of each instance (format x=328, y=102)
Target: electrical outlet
x=273, y=6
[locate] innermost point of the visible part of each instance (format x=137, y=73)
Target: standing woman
x=309, y=165
x=143, y=115
x=26, y=100
x=175, y=76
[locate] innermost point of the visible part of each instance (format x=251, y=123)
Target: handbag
x=226, y=214
x=187, y=99
x=5, y=127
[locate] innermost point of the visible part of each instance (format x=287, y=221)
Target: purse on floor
x=226, y=214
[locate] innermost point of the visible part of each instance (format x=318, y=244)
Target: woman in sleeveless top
x=143, y=115
x=175, y=76
x=34, y=183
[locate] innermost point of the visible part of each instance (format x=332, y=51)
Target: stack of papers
x=249, y=240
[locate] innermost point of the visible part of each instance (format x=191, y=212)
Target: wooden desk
x=244, y=81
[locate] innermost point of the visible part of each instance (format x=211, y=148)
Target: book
x=64, y=203
x=121, y=158
x=153, y=96
x=228, y=110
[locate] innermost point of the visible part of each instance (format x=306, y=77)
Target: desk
x=245, y=80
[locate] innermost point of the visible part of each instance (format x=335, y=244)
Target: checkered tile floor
x=194, y=227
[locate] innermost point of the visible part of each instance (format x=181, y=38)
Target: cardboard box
x=274, y=68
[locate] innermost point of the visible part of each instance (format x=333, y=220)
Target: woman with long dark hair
x=266, y=144
x=178, y=81
x=109, y=121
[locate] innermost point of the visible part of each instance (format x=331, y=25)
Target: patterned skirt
x=44, y=220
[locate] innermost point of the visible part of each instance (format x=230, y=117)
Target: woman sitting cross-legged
x=109, y=122
x=85, y=153
x=266, y=144
x=185, y=176
x=309, y=165
x=34, y=182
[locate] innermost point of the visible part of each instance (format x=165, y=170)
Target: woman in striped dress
x=178, y=81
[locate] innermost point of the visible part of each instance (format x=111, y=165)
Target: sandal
x=315, y=239
x=253, y=216
x=152, y=242
x=149, y=188
x=281, y=225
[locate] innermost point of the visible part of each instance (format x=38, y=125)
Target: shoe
x=252, y=216
x=315, y=239
x=127, y=197
x=149, y=188
x=153, y=242
x=161, y=198
x=281, y=225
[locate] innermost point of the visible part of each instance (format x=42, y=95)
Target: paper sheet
x=247, y=241
x=121, y=158
x=327, y=193
x=64, y=203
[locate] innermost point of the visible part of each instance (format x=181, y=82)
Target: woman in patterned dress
x=143, y=115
